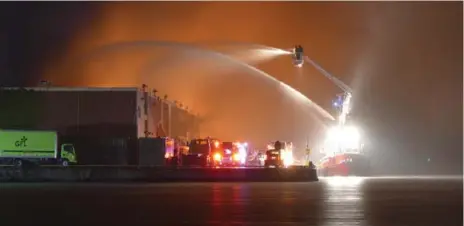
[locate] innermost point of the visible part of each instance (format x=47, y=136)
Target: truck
x=42, y=147
x=181, y=147
x=283, y=149
x=273, y=158
x=233, y=154
x=206, y=152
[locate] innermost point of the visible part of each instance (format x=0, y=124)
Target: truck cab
x=215, y=153
x=203, y=152
x=285, y=150
x=273, y=158
x=233, y=154
x=67, y=155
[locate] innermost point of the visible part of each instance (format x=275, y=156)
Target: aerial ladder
x=343, y=101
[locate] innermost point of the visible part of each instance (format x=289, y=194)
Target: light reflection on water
x=344, y=204
x=331, y=201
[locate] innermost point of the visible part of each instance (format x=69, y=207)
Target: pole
x=162, y=113
x=169, y=119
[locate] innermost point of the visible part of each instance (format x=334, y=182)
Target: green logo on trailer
x=21, y=142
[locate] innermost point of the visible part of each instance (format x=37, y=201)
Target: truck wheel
x=64, y=163
x=18, y=162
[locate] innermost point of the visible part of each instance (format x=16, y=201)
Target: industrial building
x=105, y=124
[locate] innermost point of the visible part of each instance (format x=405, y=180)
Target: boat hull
x=345, y=165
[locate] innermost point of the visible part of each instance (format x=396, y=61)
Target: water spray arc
x=146, y=44
x=251, y=53
x=298, y=59
x=248, y=45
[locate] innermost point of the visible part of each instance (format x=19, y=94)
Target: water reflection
x=344, y=182
x=266, y=203
x=344, y=205
x=332, y=201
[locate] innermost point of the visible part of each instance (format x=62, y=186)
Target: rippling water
x=332, y=201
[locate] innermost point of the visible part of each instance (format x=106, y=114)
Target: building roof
x=87, y=89
x=72, y=89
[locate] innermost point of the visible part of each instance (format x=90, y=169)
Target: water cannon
x=298, y=56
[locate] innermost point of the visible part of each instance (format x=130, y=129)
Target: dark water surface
x=332, y=201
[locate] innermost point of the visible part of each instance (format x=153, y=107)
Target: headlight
x=236, y=157
x=217, y=157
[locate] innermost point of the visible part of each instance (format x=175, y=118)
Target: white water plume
x=220, y=56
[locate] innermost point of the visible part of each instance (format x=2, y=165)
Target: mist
x=403, y=60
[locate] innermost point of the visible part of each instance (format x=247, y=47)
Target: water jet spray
x=145, y=44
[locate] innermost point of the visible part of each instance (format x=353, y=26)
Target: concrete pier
x=155, y=174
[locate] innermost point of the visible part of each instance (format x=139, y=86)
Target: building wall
x=159, y=118
x=174, y=121
x=66, y=109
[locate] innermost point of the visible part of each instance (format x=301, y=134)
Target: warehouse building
x=105, y=124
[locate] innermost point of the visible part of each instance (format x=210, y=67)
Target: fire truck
x=279, y=154
x=234, y=154
x=205, y=152
x=174, y=148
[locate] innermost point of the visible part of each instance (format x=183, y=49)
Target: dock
x=155, y=174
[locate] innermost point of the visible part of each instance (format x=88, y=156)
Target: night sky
x=404, y=61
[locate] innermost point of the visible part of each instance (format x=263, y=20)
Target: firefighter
x=277, y=145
